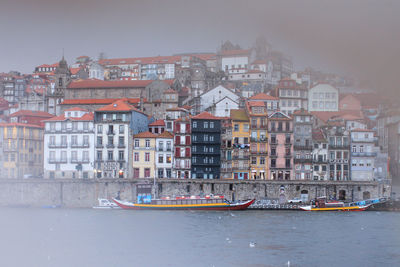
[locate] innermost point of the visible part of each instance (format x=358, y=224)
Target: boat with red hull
x=213, y=203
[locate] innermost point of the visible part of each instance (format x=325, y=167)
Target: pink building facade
x=280, y=128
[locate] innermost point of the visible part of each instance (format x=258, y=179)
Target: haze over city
x=359, y=38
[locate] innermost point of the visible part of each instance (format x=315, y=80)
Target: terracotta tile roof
x=157, y=123
x=80, y=57
x=141, y=60
x=256, y=104
x=187, y=107
x=326, y=115
x=263, y=96
x=31, y=113
x=74, y=70
x=170, y=91
x=165, y=134
x=259, y=62
x=55, y=65
x=318, y=136
x=18, y=124
x=3, y=102
x=145, y=135
x=104, y=101
x=94, y=83
x=119, y=105
x=206, y=56
x=236, y=52
x=76, y=109
x=301, y=112
x=205, y=116
x=86, y=117
x=239, y=115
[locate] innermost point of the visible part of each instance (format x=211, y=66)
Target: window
x=160, y=158
x=160, y=173
x=169, y=159
x=136, y=142
x=110, y=155
x=147, y=173
x=85, y=126
x=74, y=140
x=52, y=140
x=63, y=140
x=246, y=127
x=99, y=140
x=121, y=141
x=205, y=124
x=194, y=124
x=236, y=128
x=147, y=157
x=74, y=156
x=99, y=155
x=273, y=163
x=121, y=155
x=85, y=156
x=262, y=161
x=100, y=128
x=121, y=129
x=211, y=124
x=253, y=160
x=147, y=143
x=86, y=140
x=136, y=156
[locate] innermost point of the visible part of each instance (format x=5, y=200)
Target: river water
x=86, y=237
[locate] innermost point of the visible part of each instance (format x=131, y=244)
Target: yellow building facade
x=258, y=140
x=240, y=144
x=144, y=150
x=21, y=150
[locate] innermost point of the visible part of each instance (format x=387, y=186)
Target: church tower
x=62, y=77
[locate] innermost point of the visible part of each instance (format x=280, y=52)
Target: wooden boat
x=322, y=205
x=186, y=203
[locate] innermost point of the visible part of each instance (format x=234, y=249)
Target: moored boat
x=322, y=205
x=186, y=203
x=106, y=204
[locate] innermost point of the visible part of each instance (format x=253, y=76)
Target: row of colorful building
x=120, y=141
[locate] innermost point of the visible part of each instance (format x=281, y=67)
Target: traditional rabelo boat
x=187, y=203
x=322, y=205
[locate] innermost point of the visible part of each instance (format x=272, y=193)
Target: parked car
x=295, y=200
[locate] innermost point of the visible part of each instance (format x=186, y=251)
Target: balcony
x=320, y=161
x=121, y=145
x=259, y=152
x=99, y=145
x=288, y=155
x=79, y=145
x=241, y=157
x=363, y=154
x=169, y=149
x=263, y=139
x=64, y=145
x=226, y=169
x=110, y=145
x=300, y=147
x=344, y=147
x=302, y=160
x=79, y=161
x=9, y=149
x=53, y=161
x=110, y=132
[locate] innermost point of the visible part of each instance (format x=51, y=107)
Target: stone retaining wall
x=84, y=193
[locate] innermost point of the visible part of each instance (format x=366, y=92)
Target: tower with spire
x=62, y=77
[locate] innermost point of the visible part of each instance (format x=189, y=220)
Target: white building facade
x=323, y=97
x=164, y=155
x=69, y=145
x=363, y=154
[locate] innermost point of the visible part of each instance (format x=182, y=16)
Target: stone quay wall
x=79, y=193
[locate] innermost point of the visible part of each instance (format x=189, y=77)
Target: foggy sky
x=355, y=36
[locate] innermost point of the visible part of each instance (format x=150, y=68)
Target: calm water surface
x=86, y=237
